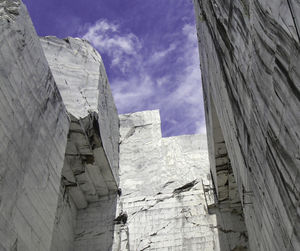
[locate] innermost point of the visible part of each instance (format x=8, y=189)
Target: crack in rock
x=143, y=209
x=168, y=183
x=82, y=234
x=146, y=247
x=186, y=187
x=164, y=227
x=226, y=231
x=132, y=131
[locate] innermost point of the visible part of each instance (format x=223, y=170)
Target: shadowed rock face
x=250, y=62
x=59, y=148
x=33, y=131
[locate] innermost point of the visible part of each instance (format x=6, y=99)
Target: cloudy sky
x=149, y=49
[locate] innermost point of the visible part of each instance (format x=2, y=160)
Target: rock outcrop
x=250, y=63
x=90, y=176
x=81, y=78
x=166, y=192
x=59, y=141
x=33, y=131
x=60, y=146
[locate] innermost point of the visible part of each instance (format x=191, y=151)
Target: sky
x=149, y=49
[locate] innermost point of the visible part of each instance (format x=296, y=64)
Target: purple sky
x=149, y=49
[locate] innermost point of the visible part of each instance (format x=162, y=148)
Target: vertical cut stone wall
x=65, y=223
x=95, y=229
x=80, y=75
x=250, y=63
x=87, y=205
x=33, y=132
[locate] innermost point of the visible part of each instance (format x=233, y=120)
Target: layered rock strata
x=250, y=63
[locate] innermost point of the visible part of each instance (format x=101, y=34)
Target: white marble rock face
x=250, y=60
x=33, y=132
x=75, y=65
x=250, y=64
x=162, y=193
x=90, y=175
x=81, y=78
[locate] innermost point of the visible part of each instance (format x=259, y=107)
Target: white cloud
x=176, y=92
x=106, y=37
x=159, y=55
x=163, y=80
x=131, y=94
x=188, y=95
x=201, y=127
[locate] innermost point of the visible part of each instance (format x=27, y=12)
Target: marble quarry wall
x=167, y=192
x=81, y=78
x=59, y=141
x=33, y=131
x=76, y=176
x=89, y=184
x=250, y=64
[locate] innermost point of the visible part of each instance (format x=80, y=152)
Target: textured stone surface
x=95, y=228
x=65, y=223
x=33, y=132
x=75, y=66
x=144, y=153
x=90, y=172
x=55, y=166
x=250, y=61
x=59, y=192
x=87, y=205
x=162, y=192
x=81, y=79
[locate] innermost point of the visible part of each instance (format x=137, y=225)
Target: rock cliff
x=81, y=78
x=167, y=194
x=33, y=131
x=87, y=203
x=250, y=62
x=60, y=146
x=59, y=132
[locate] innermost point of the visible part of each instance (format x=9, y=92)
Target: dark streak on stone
x=185, y=187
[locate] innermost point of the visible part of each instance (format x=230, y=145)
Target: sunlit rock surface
x=162, y=191
x=86, y=207
x=250, y=61
x=33, y=132
x=75, y=65
x=82, y=81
